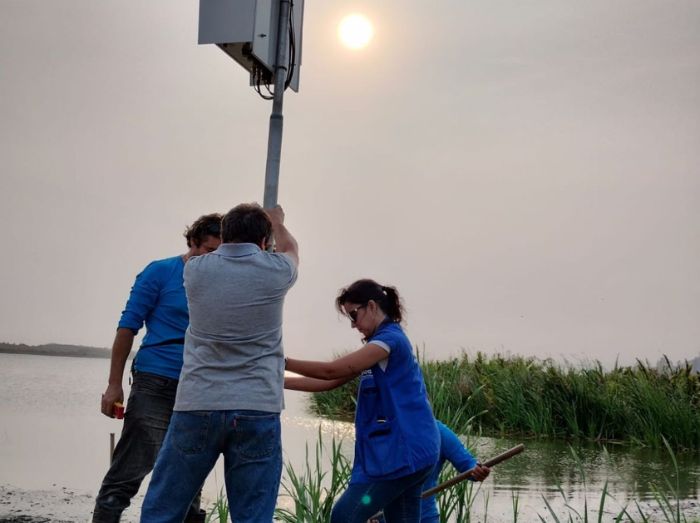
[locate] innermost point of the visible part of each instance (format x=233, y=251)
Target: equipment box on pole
x=246, y=30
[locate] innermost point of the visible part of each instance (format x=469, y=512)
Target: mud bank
x=59, y=505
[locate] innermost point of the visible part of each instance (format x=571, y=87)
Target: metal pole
x=274, y=143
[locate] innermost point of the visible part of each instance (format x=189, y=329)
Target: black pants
x=146, y=421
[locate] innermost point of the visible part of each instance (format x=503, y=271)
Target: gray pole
x=274, y=143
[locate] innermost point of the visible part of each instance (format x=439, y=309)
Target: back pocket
x=257, y=437
x=190, y=431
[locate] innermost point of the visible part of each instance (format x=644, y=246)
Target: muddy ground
x=59, y=505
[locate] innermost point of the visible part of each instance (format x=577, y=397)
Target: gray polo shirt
x=233, y=356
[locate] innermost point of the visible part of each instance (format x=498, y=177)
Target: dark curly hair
x=207, y=225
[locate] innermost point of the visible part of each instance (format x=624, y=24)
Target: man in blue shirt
x=452, y=450
x=157, y=299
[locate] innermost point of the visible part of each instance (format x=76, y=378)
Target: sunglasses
x=353, y=313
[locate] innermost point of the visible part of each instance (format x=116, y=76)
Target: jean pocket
x=258, y=436
x=190, y=431
x=151, y=383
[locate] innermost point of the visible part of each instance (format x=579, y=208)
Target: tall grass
x=315, y=488
x=218, y=512
x=323, y=478
x=516, y=396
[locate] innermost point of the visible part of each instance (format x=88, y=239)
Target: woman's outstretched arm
x=347, y=366
x=312, y=384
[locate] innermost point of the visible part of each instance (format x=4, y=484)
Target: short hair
x=207, y=225
x=246, y=223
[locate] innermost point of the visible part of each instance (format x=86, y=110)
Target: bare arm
x=284, y=241
x=346, y=367
x=123, y=341
x=313, y=384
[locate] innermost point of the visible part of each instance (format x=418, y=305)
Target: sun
x=355, y=31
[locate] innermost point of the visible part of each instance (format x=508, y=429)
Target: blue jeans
x=146, y=421
x=398, y=498
x=251, y=444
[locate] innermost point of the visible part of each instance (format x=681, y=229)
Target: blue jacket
x=395, y=431
x=158, y=300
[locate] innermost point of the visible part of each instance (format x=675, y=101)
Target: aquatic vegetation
x=314, y=489
x=218, y=512
x=512, y=395
x=668, y=504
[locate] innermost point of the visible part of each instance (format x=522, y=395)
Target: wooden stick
x=464, y=475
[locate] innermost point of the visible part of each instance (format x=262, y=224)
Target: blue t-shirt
x=452, y=450
x=158, y=300
x=395, y=431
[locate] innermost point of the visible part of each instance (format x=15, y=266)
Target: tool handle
x=464, y=475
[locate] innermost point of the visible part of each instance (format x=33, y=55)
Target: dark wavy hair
x=362, y=291
x=246, y=223
x=207, y=225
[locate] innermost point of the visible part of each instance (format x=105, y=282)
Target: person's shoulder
x=160, y=266
x=165, y=262
x=281, y=261
x=389, y=332
x=197, y=264
x=391, y=329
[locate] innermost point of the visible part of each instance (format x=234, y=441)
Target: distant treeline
x=527, y=397
x=55, y=349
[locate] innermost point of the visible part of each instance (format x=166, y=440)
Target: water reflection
x=51, y=433
x=636, y=472
x=571, y=475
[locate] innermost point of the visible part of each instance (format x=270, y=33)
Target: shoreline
x=59, y=350
x=56, y=505
x=64, y=505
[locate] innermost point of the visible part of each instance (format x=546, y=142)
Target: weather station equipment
x=264, y=37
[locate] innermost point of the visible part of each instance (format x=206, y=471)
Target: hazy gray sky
x=526, y=173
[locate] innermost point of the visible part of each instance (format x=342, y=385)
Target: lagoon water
x=52, y=436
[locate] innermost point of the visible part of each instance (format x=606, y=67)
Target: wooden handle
x=464, y=475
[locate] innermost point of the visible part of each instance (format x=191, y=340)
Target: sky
x=527, y=174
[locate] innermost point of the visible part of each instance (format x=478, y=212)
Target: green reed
x=322, y=479
x=516, y=396
x=316, y=487
x=218, y=512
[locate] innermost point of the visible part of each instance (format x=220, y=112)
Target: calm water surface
x=52, y=435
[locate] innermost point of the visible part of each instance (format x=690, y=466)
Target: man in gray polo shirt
x=230, y=392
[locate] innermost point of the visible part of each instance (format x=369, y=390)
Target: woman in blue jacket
x=397, y=442
x=453, y=450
